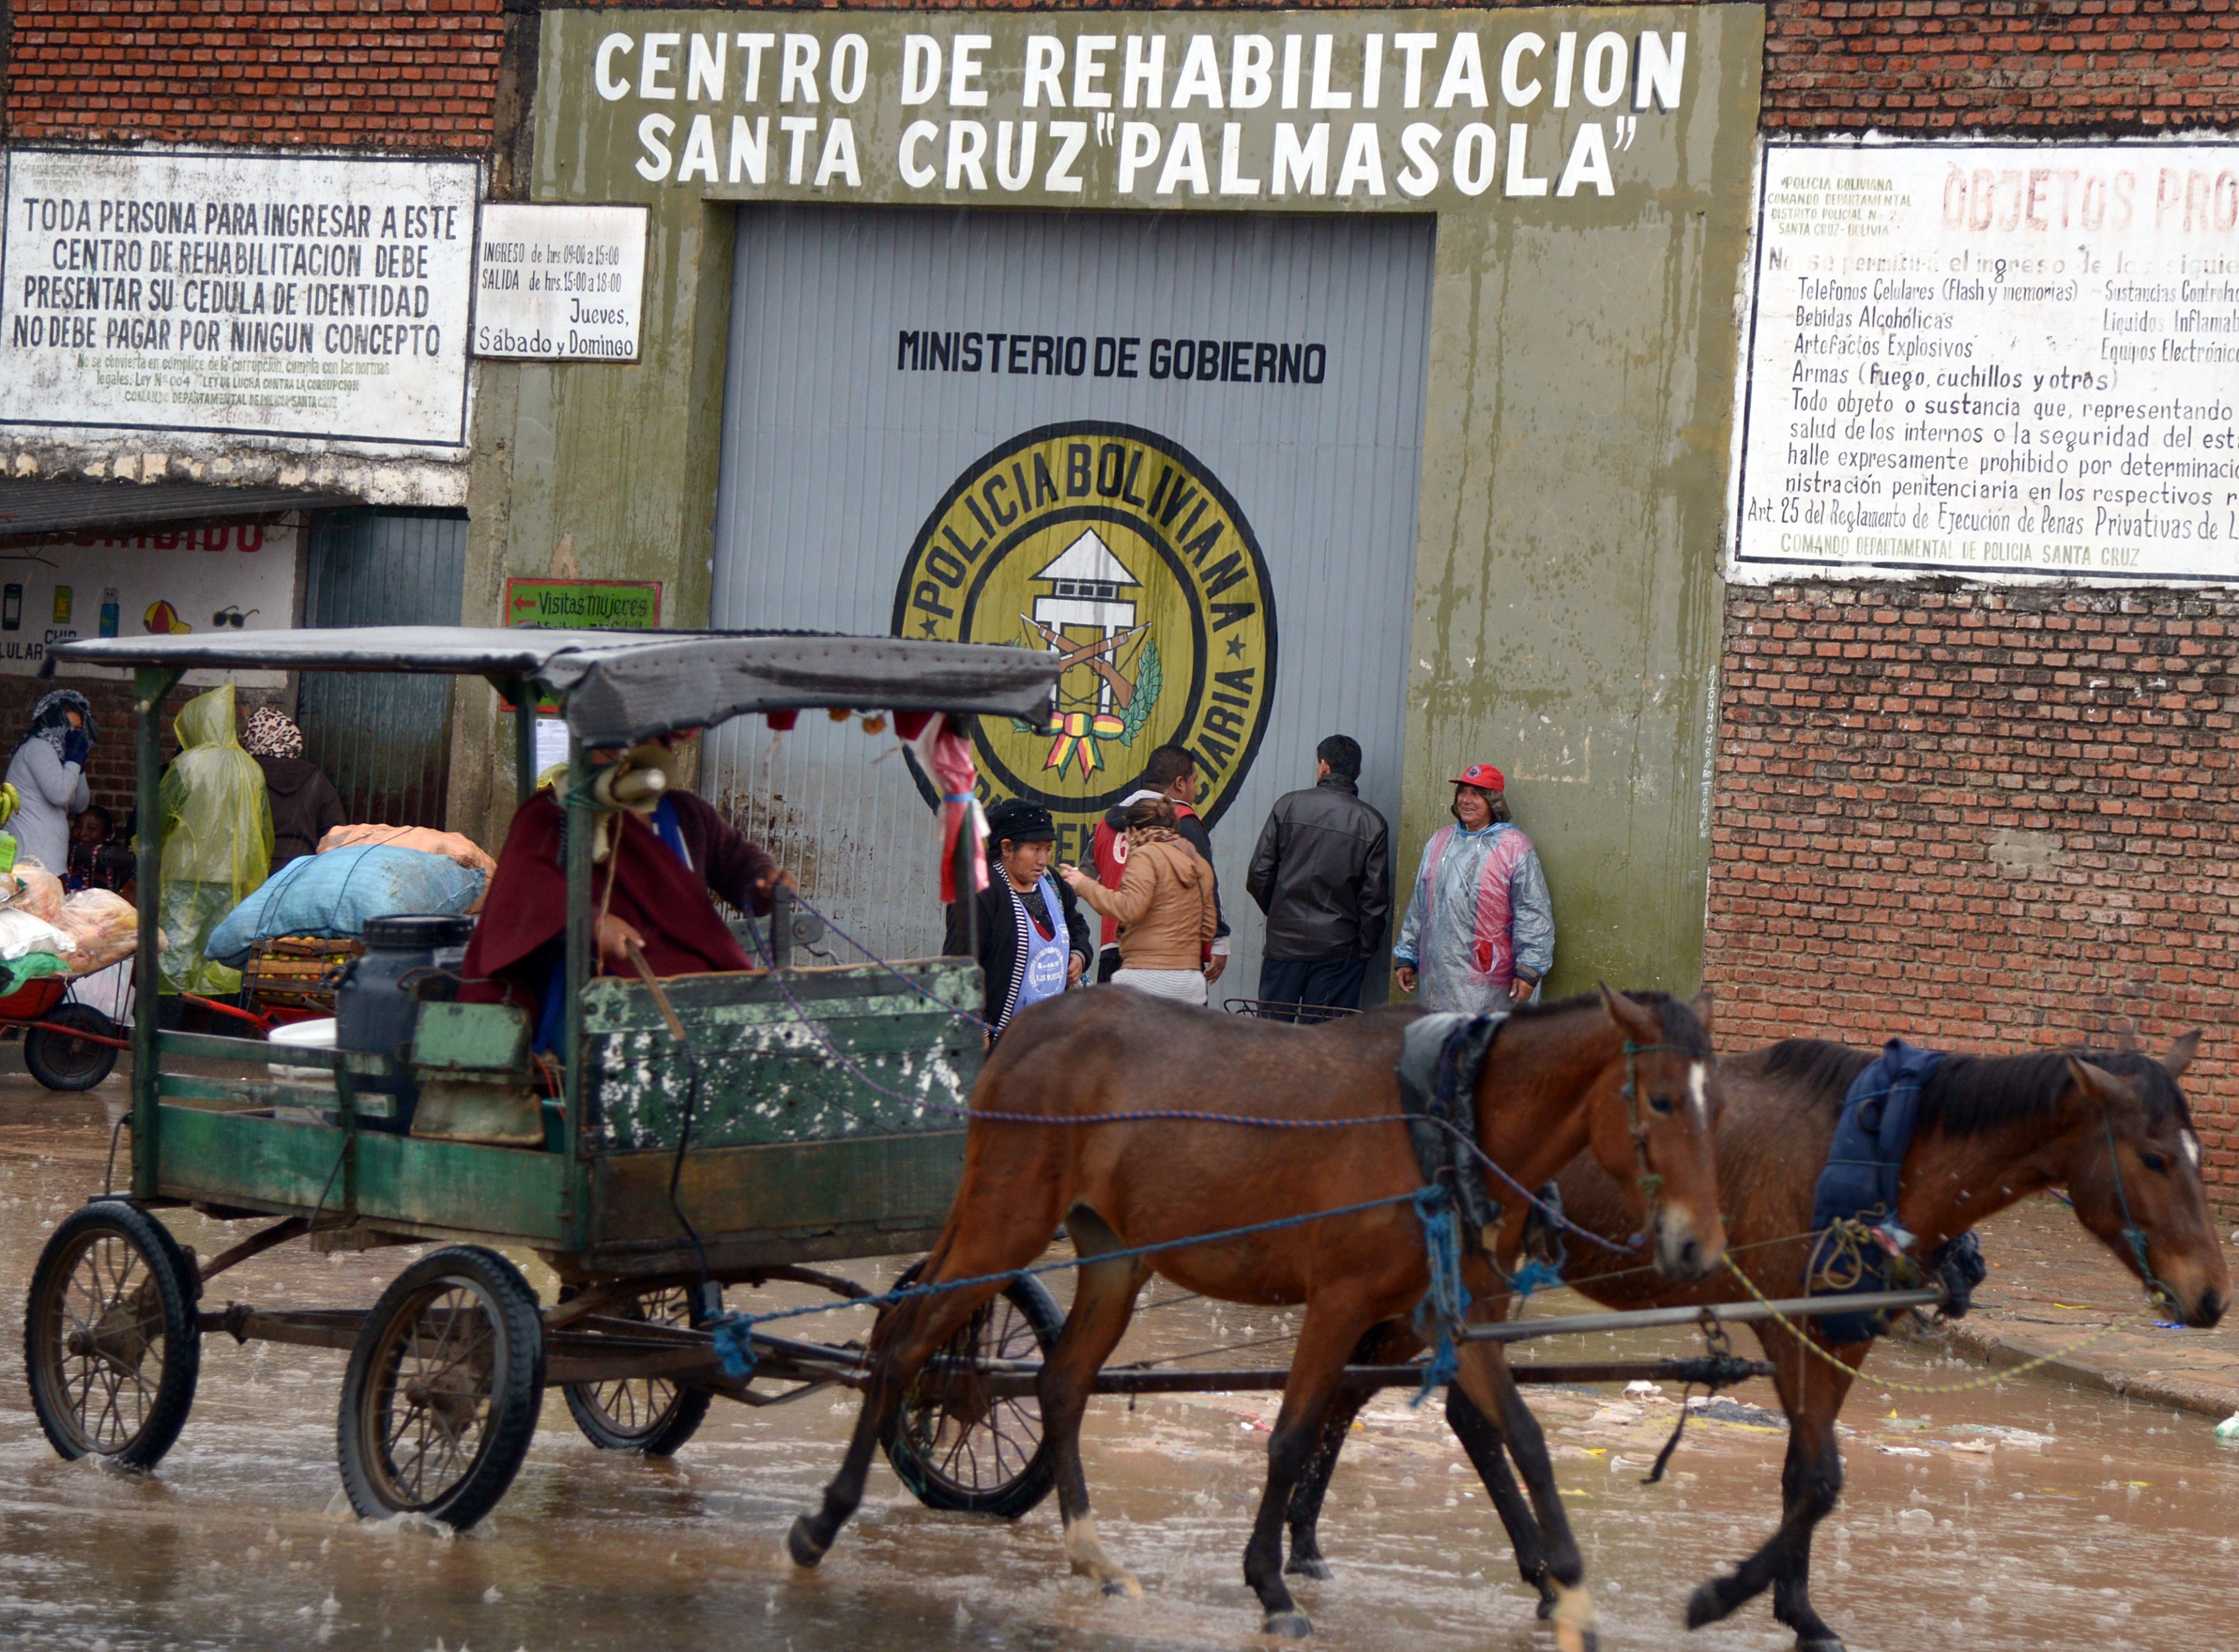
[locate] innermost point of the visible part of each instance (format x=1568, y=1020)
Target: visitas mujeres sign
x=1282, y=110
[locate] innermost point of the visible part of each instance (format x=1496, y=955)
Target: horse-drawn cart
x=704, y=1132
x=764, y=1135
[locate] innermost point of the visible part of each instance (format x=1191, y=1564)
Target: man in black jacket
x=1322, y=872
x=1033, y=941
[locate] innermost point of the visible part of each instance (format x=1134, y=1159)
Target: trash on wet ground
x=1719, y=1409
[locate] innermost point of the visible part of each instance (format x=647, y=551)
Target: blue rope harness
x=1447, y=1299
x=2155, y=1290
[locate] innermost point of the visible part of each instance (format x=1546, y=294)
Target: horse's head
x=2134, y=1174
x=1655, y=1110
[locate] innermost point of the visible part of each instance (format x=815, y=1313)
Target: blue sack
x=333, y=895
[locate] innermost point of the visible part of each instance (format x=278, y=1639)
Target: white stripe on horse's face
x=1698, y=1086
x=2192, y=1148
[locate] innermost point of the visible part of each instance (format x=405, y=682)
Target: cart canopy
x=621, y=686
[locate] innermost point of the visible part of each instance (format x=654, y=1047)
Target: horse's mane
x=1677, y=1019
x=1967, y=1094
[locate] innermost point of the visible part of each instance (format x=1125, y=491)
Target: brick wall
x=402, y=74
x=1985, y=819
x=2032, y=66
x=1981, y=819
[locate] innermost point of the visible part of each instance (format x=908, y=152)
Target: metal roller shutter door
x=842, y=438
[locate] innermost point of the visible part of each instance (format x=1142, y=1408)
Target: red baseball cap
x=1484, y=776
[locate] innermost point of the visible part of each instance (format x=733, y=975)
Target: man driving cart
x=660, y=854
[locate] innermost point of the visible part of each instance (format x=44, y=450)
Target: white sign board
x=560, y=283
x=229, y=577
x=1994, y=360
x=282, y=295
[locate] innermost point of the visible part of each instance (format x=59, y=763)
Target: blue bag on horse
x=1880, y=1112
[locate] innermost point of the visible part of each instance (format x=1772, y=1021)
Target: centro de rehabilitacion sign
x=1075, y=110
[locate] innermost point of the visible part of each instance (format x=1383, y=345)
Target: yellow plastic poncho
x=217, y=825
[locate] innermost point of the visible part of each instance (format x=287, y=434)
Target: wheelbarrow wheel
x=62, y=1061
x=652, y=1416
x=955, y=1447
x=440, y=1398
x=112, y=1341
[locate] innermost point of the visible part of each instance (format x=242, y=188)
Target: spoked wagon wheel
x=440, y=1398
x=62, y=1061
x=654, y=1416
x=112, y=1341
x=958, y=1448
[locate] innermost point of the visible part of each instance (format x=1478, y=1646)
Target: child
x=95, y=860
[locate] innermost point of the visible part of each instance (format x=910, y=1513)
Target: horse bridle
x=2155, y=1290
x=1649, y=1184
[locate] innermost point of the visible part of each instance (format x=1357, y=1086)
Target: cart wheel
x=440, y=1398
x=112, y=1341
x=61, y=1062
x=653, y=1415
x=957, y=1450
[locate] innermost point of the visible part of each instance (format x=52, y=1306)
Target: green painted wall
x=1580, y=395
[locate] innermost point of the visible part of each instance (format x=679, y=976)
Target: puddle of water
x=2024, y=1517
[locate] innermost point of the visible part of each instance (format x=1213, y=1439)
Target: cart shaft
x=1726, y=1313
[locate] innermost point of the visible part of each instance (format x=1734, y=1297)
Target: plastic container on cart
x=375, y=1006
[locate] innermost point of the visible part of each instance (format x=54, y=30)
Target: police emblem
x=1118, y=551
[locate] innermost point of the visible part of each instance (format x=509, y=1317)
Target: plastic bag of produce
x=104, y=926
x=29, y=887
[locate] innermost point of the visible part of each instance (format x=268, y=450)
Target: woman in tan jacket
x=1163, y=905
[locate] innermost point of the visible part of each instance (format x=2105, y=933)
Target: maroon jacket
x=639, y=882
x=728, y=861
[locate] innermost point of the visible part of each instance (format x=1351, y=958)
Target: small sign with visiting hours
x=560, y=282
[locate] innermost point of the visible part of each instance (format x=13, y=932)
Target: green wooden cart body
x=793, y=1158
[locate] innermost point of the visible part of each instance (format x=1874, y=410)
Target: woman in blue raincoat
x=1479, y=933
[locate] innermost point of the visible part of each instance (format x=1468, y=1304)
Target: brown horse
x=2113, y=1128
x=1629, y=1080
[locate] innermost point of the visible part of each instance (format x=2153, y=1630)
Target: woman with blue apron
x=1033, y=943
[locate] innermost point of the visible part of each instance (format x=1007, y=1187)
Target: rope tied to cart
x=734, y=1333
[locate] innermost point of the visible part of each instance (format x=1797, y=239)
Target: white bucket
x=305, y=1035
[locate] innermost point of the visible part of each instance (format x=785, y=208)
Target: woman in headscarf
x=305, y=806
x=48, y=772
x=215, y=829
x=1033, y=943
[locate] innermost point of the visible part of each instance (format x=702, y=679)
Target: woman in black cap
x=1033, y=942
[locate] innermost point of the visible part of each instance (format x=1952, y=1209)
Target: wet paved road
x=2024, y=1517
